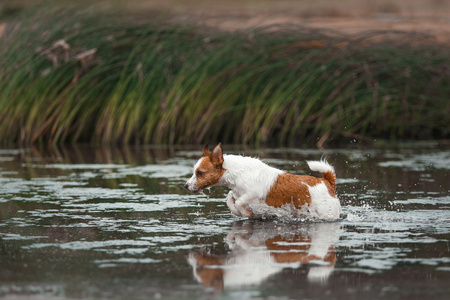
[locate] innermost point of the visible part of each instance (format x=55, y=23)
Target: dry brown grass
x=349, y=17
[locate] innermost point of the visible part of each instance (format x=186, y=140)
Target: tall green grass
x=157, y=81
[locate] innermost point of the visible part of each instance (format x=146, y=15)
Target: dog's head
x=207, y=171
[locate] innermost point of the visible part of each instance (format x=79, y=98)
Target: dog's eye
x=199, y=173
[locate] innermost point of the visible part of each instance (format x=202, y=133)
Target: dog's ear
x=206, y=151
x=217, y=155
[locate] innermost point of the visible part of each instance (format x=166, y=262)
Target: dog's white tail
x=325, y=168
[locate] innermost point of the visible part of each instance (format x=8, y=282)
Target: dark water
x=98, y=223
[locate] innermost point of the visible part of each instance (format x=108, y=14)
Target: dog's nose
x=186, y=186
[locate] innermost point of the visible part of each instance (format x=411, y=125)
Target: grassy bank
x=76, y=76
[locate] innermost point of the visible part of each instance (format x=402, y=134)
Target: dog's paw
x=244, y=209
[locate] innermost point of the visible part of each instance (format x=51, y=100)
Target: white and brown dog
x=254, y=184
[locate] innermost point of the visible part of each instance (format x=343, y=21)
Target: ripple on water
x=379, y=239
x=420, y=162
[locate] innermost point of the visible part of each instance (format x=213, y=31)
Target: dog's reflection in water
x=260, y=249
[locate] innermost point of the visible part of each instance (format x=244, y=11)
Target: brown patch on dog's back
x=293, y=189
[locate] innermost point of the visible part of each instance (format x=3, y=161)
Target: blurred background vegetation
x=247, y=72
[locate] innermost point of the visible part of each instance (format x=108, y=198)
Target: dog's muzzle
x=190, y=187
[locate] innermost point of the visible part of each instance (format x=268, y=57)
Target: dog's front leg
x=231, y=204
x=242, y=204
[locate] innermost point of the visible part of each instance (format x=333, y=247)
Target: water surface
x=116, y=223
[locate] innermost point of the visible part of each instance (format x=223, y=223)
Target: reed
x=71, y=75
